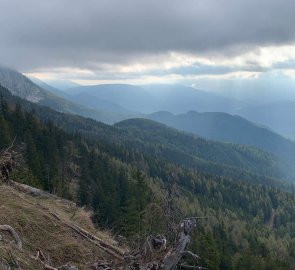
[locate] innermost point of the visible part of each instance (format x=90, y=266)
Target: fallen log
x=93, y=239
x=31, y=190
x=13, y=233
x=35, y=192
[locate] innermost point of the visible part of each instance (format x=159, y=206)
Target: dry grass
x=38, y=228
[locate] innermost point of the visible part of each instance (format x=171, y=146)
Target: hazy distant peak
x=20, y=85
x=61, y=84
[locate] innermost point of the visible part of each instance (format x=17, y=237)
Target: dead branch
x=42, y=259
x=13, y=260
x=185, y=266
x=39, y=256
x=7, y=163
x=174, y=256
x=93, y=239
x=166, y=252
x=13, y=233
x=48, y=267
x=4, y=264
x=8, y=148
x=196, y=257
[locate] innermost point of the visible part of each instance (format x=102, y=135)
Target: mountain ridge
x=146, y=142
x=23, y=87
x=152, y=98
x=278, y=115
x=120, y=172
x=226, y=127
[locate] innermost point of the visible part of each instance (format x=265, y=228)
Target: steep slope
x=35, y=220
x=126, y=175
x=141, y=136
x=21, y=86
x=49, y=88
x=226, y=127
x=198, y=152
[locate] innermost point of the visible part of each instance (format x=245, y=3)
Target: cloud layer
x=151, y=37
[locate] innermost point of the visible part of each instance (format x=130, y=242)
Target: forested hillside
x=125, y=173
x=230, y=128
x=147, y=138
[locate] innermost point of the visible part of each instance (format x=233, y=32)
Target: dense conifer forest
x=124, y=173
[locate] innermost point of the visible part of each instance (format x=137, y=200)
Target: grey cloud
x=42, y=34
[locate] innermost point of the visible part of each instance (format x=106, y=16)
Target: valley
x=237, y=181
x=147, y=135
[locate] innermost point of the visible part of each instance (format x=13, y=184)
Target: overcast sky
x=140, y=41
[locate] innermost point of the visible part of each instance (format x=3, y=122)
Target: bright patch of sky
x=184, y=68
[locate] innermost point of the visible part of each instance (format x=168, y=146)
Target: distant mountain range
x=151, y=98
x=86, y=99
x=113, y=103
x=278, y=115
x=151, y=139
x=23, y=87
x=61, y=84
x=159, y=136
x=146, y=99
x=229, y=128
x=92, y=101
